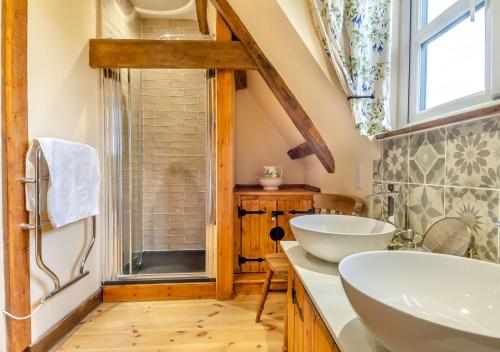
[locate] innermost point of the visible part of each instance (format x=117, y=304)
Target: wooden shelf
x=284, y=190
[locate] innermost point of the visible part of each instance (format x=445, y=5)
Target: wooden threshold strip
x=278, y=86
x=139, y=53
x=469, y=115
x=158, y=292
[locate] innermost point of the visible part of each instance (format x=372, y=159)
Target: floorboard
x=193, y=325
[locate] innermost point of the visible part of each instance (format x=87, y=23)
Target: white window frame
x=414, y=34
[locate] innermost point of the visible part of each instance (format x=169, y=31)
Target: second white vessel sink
x=425, y=302
x=333, y=237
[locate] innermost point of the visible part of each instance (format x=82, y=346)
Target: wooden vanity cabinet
x=306, y=330
x=261, y=220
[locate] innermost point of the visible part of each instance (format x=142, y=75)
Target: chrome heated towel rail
x=37, y=228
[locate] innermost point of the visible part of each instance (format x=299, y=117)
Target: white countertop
x=322, y=283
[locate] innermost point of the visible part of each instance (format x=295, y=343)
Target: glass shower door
x=159, y=152
x=123, y=169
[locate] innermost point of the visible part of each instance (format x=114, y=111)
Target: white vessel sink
x=334, y=237
x=424, y=302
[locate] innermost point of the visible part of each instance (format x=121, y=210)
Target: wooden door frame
x=14, y=148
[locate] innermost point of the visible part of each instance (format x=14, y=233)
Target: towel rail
x=37, y=227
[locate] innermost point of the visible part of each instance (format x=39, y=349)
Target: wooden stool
x=277, y=264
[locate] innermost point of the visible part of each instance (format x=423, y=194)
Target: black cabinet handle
x=243, y=212
x=309, y=211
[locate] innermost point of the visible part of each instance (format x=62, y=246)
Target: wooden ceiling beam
x=278, y=86
x=300, y=151
x=201, y=13
x=240, y=79
x=139, y=53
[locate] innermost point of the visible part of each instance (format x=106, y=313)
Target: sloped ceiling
x=301, y=67
x=273, y=109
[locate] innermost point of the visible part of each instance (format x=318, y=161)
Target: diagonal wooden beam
x=300, y=151
x=278, y=86
x=201, y=13
x=139, y=53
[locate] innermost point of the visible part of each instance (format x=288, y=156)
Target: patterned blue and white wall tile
x=452, y=171
x=427, y=157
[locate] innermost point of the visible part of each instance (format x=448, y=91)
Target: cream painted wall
x=321, y=97
x=63, y=95
x=258, y=143
x=298, y=13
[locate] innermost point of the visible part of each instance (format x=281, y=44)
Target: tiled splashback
x=175, y=148
x=452, y=171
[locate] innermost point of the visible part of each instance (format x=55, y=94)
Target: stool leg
x=263, y=296
x=285, y=331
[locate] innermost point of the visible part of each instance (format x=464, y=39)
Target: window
x=448, y=65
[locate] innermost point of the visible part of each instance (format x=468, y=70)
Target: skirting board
x=158, y=292
x=66, y=324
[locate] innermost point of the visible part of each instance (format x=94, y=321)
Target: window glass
x=453, y=62
x=433, y=8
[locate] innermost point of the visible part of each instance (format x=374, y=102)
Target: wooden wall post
x=225, y=166
x=14, y=148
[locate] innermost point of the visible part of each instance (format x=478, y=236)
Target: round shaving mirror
x=448, y=236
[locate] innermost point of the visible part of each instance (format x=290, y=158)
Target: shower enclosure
x=159, y=174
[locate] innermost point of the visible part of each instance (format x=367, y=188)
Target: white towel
x=73, y=186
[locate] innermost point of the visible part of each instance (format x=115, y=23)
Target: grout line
x=408, y=159
x=438, y=185
x=498, y=230
x=445, y=167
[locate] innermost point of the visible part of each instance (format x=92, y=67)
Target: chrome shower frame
x=111, y=158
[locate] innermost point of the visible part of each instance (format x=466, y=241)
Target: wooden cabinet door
x=295, y=298
x=300, y=316
x=298, y=331
x=321, y=338
x=255, y=229
x=289, y=207
x=306, y=330
x=252, y=231
x=291, y=310
x=309, y=316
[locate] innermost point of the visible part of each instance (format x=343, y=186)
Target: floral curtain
x=355, y=35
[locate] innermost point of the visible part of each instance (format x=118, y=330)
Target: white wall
x=63, y=95
x=275, y=25
x=258, y=143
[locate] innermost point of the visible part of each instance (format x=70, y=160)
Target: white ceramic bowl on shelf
x=270, y=183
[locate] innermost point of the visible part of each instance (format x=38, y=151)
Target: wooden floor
x=194, y=325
